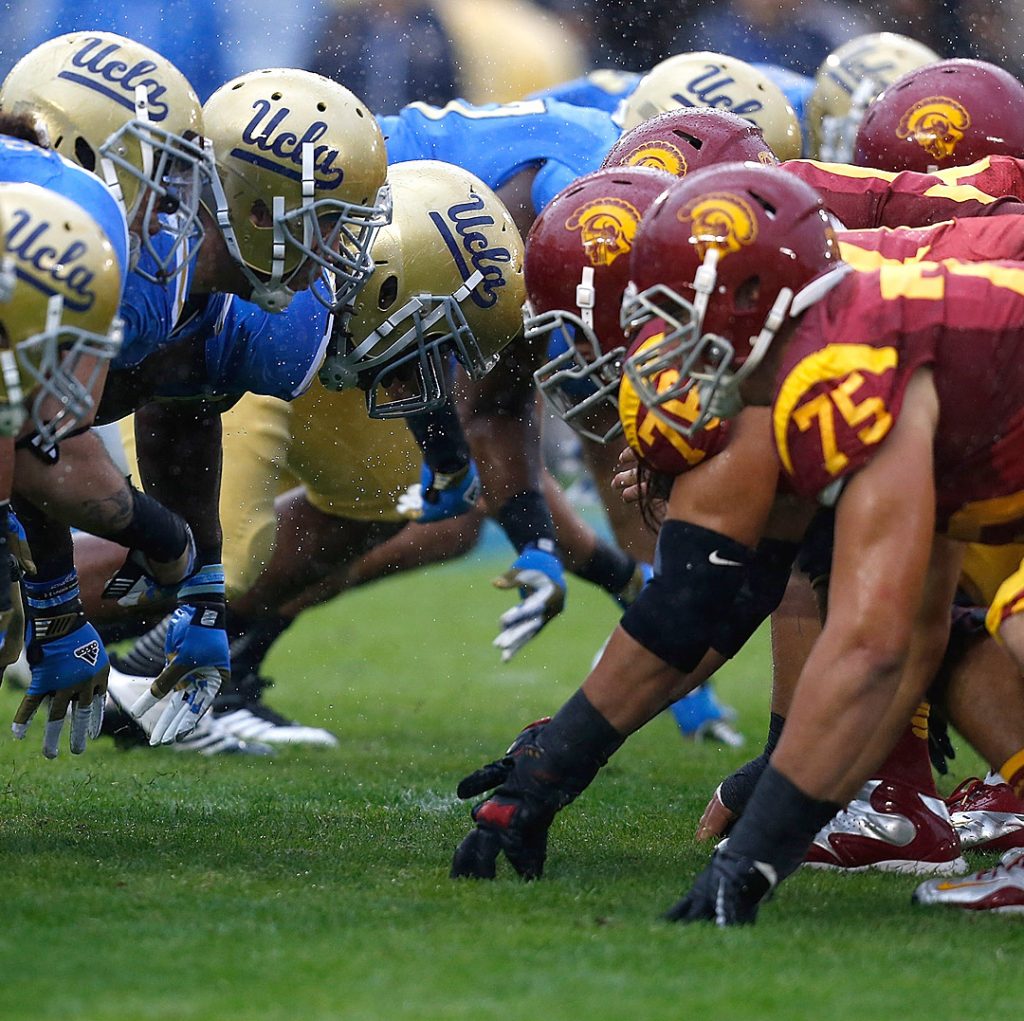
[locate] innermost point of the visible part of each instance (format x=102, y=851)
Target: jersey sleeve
x=273, y=354
x=832, y=409
x=603, y=89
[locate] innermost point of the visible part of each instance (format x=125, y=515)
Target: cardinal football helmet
x=683, y=140
x=447, y=281
x=577, y=268
x=299, y=177
x=126, y=113
x=848, y=80
x=60, y=287
x=722, y=259
x=724, y=83
x=942, y=115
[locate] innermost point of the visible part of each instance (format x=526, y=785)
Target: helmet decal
x=475, y=246
x=936, y=123
x=709, y=89
x=658, y=155
x=286, y=146
x=607, y=228
x=115, y=79
x=767, y=158
x=47, y=264
x=720, y=220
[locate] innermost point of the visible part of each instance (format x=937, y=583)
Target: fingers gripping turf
x=728, y=892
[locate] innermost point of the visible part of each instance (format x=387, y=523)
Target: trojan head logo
x=937, y=124
x=607, y=228
x=720, y=220
x=659, y=156
x=768, y=158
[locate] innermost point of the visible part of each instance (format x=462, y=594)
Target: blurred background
x=391, y=52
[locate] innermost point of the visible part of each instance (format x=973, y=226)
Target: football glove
x=728, y=892
x=140, y=582
x=437, y=497
x=538, y=575
x=68, y=672
x=511, y=820
x=197, y=660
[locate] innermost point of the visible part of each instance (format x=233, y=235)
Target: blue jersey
x=796, y=87
x=150, y=311
x=600, y=90
x=24, y=163
x=247, y=350
x=497, y=141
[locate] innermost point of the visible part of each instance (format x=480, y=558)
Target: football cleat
x=987, y=817
x=701, y=717
x=208, y=737
x=241, y=712
x=891, y=827
x=999, y=889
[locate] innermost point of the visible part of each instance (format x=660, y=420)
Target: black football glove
x=728, y=892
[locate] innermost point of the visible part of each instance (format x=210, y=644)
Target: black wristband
x=779, y=823
x=609, y=567
x=440, y=439
x=526, y=519
x=158, y=532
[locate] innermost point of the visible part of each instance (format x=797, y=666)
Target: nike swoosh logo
x=719, y=561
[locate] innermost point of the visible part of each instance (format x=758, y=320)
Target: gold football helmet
x=848, y=79
x=448, y=280
x=724, y=83
x=126, y=113
x=60, y=287
x=300, y=175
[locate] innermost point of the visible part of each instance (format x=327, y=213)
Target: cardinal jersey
x=861, y=197
x=497, y=141
x=845, y=372
x=970, y=240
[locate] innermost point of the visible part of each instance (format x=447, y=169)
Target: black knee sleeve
x=761, y=592
x=697, y=575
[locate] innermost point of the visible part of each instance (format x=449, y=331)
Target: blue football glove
x=143, y=583
x=538, y=575
x=69, y=672
x=197, y=660
x=437, y=497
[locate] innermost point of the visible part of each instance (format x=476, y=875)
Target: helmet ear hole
x=748, y=294
x=85, y=154
x=260, y=216
x=388, y=293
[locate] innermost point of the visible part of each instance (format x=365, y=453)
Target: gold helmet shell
x=121, y=110
x=300, y=174
x=705, y=79
x=60, y=291
x=448, y=280
x=848, y=80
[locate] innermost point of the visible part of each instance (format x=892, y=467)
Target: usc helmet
x=577, y=268
x=723, y=258
x=705, y=79
x=119, y=109
x=946, y=114
x=299, y=175
x=684, y=140
x=60, y=287
x=447, y=280
x=848, y=80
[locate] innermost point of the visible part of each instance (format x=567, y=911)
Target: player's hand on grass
x=69, y=674
x=197, y=662
x=510, y=820
x=537, y=574
x=438, y=497
x=728, y=892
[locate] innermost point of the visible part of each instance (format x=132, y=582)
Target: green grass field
x=314, y=885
